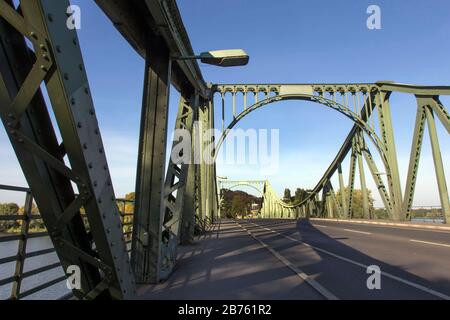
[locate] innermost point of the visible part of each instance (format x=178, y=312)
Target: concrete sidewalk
x=228, y=264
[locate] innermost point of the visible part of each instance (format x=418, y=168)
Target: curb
x=406, y=225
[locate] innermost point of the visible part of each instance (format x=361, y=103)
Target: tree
x=236, y=203
x=8, y=209
x=357, y=201
x=287, y=195
x=300, y=195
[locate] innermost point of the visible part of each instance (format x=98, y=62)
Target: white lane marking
x=431, y=243
x=356, y=231
x=313, y=283
x=386, y=274
x=349, y=230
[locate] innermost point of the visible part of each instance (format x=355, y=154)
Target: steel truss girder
x=100, y=252
x=438, y=165
x=377, y=96
x=175, y=192
x=427, y=106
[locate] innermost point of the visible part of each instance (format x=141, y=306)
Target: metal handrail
x=25, y=234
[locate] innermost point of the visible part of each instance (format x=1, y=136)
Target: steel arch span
x=364, y=104
x=272, y=205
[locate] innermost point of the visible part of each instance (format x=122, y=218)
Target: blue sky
x=289, y=41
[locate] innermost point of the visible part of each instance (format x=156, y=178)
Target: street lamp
x=221, y=58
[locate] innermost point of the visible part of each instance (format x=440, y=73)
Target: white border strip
x=405, y=225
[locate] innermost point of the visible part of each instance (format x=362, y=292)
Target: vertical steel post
x=438, y=166
x=362, y=177
x=387, y=131
x=342, y=187
x=414, y=159
x=188, y=213
x=147, y=224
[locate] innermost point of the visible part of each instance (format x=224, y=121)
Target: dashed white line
x=313, y=283
x=431, y=243
x=356, y=231
x=349, y=230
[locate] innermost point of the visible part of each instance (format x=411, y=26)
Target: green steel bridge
x=121, y=251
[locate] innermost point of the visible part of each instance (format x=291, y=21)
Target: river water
x=7, y=270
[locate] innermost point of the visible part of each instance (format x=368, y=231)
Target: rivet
x=85, y=146
x=58, y=49
x=79, y=125
x=50, y=17
x=66, y=76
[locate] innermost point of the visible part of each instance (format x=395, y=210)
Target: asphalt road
x=415, y=263
x=285, y=259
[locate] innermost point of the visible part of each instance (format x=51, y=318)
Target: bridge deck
x=228, y=264
x=269, y=263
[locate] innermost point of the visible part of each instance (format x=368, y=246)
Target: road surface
x=286, y=259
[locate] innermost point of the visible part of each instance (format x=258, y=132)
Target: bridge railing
x=28, y=269
x=31, y=269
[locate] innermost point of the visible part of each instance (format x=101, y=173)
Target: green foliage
x=287, y=195
x=357, y=202
x=9, y=209
x=237, y=204
x=300, y=195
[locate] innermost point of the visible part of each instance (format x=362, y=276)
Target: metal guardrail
x=24, y=221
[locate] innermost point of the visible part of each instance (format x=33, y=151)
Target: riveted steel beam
x=148, y=219
x=99, y=250
x=438, y=165
x=416, y=149
x=387, y=134
x=362, y=176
